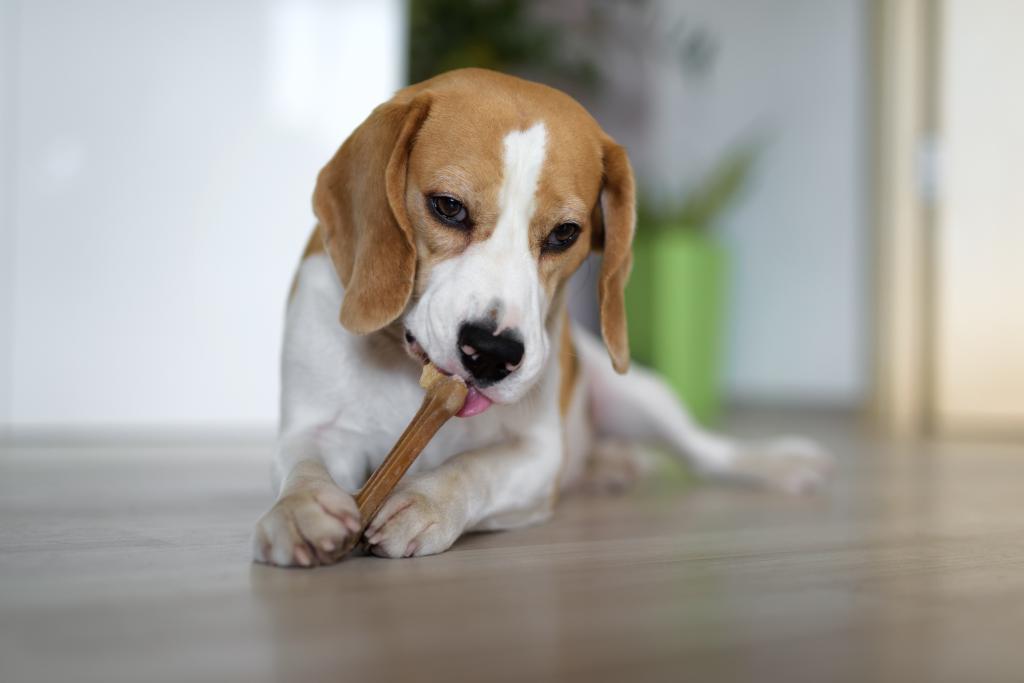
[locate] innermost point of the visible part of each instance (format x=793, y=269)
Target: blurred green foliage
x=503, y=35
x=702, y=207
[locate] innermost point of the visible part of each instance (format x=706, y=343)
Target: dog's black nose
x=489, y=357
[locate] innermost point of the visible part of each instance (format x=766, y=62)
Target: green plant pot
x=675, y=301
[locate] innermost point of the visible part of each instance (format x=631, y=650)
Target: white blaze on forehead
x=521, y=167
x=522, y=163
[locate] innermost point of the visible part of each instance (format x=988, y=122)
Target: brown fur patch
x=618, y=209
x=570, y=367
x=360, y=202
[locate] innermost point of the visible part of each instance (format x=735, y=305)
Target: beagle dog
x=449, y=223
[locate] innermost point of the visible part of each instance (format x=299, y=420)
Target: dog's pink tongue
x=475, y=404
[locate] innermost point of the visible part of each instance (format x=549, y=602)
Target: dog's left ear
x=615, y=238
x=360, y=203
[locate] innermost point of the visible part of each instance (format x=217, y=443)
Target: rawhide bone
x=446, y=395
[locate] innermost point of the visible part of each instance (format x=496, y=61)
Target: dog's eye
x=449, y=210
x=562, y=237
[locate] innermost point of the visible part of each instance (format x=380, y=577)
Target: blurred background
x=829, y=217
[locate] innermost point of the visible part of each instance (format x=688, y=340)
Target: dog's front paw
x=306, y=528
x=410, y=524
x=792, y=464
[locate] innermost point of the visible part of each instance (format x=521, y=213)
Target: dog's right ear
x=360, y=203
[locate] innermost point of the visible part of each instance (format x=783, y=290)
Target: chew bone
x=445, y=396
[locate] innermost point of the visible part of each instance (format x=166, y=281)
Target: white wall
x=7, y=68
x=793, y=72
x=163, y=159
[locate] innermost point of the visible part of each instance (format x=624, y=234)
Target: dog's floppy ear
x=360, y=203
x=615, y=238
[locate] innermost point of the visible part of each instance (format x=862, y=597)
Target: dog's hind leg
x=614, y=466
x=639, y=406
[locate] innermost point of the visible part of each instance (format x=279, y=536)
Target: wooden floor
x=130, y=563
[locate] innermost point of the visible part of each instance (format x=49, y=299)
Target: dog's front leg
x=499, y=487
x=309, y=523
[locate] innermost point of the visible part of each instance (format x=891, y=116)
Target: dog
x=448, y=225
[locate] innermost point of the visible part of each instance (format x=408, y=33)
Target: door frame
x=905, y=53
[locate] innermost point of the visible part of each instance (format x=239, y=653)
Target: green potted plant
x=676, y=298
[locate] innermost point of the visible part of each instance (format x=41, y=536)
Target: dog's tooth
x=469, y=350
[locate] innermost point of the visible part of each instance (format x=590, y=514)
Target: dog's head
x=461, y=207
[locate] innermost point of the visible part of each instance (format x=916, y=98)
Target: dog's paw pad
x=306, y=528
x=411, y=524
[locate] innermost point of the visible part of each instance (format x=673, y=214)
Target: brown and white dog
x=449, y=224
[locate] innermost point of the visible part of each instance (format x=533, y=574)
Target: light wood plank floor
x=130, y=563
